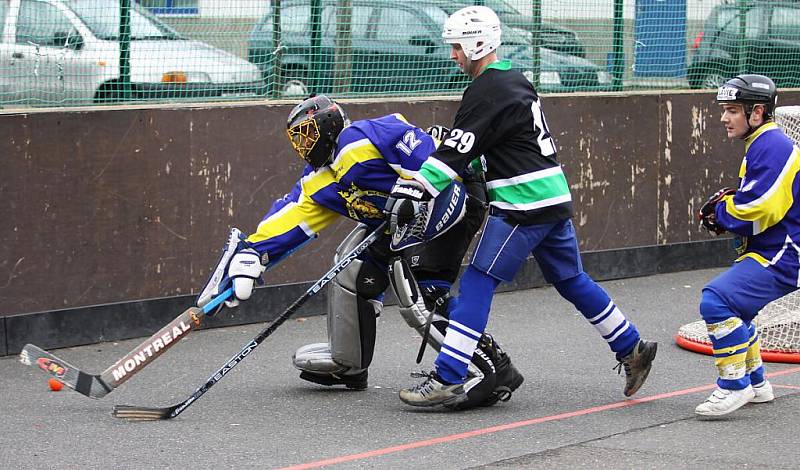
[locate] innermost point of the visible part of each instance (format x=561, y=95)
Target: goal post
x=779, y=321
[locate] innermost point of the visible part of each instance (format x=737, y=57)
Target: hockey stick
x=98, y=386
x=140, y=413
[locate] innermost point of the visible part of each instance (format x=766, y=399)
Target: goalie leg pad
x=353, y=307
x=354, y=303
x=316, y=358
x=415, y=304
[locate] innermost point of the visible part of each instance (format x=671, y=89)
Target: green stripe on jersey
x=528, y=192
x=435, y=175
x=478, y=165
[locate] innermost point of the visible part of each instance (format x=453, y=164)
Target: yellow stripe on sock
x=753, y=357
x=731, y=365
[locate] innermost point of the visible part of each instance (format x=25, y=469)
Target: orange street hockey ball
x=55, y=385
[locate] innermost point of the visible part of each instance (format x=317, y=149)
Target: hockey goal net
x=778, y=321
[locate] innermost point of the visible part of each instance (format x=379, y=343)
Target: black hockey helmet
x=313, y=127
x=750, y=90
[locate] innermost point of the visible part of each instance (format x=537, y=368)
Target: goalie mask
x=749, y=90
x=476, y=29
x=313, y=127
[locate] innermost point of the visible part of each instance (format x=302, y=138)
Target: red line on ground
x=792, y=387
x=517, y=424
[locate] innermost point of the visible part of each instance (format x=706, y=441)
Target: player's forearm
x=753, y=215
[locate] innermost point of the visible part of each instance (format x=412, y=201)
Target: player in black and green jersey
x=500, y=117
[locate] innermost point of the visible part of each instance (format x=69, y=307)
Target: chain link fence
x=83, y=52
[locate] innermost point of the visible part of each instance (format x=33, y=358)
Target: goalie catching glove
x=403, y=205
x=413, y=220
x=708, y=213
x=239, y=266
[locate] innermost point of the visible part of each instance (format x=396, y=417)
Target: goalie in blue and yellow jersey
x=764, y=215
x=356, y=170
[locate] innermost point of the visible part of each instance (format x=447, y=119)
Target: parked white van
x=68, y=52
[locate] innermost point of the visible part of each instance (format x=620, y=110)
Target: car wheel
x=295, y=87
x=113, y=93
x=713, y=79
x=108, y=93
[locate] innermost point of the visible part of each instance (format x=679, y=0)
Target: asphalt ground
x=569, y=413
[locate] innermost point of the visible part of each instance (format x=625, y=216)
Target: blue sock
x=467, y=322
x=596, y=306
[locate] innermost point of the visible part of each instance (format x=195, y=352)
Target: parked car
x=396, y=48
x=67, y=51
x=770, y=44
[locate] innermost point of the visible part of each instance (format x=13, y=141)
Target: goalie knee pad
x=353, y=306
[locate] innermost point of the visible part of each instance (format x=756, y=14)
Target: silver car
x=68, y=52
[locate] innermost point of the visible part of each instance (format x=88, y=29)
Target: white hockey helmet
x=476, y=29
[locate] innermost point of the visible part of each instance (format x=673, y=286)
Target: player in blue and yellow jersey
x=352, y=170
x=500, y=117
x=764, y=214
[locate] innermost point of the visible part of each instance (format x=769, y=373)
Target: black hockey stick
x=98, y=386
x=140, y=413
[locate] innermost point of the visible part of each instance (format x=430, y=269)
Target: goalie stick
x=140, y=413
x=98, y=386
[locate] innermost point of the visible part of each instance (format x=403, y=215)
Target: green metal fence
x=81, y=52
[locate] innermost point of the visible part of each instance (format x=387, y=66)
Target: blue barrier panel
x=660, y=38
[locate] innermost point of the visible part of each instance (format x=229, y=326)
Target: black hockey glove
x=707, y=214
